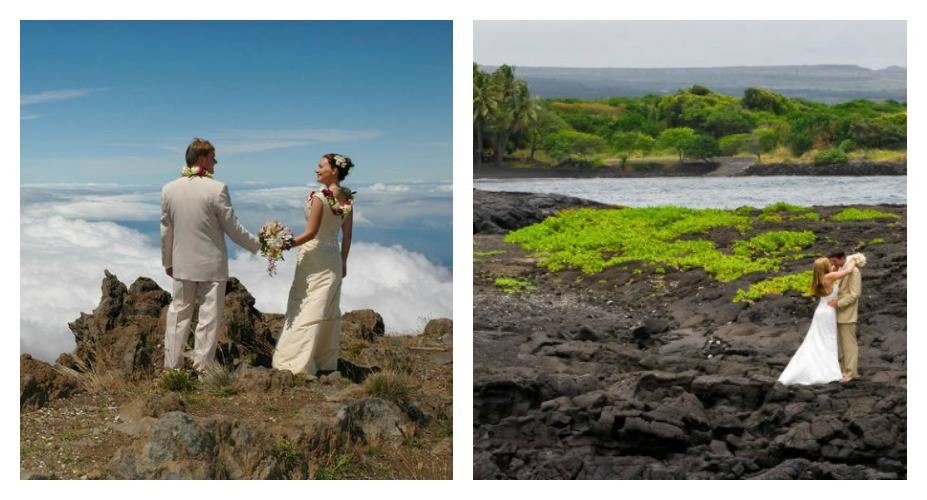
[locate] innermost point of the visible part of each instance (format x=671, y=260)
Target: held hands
x=833, y=303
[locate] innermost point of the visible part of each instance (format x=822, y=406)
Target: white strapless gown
x=816, y=360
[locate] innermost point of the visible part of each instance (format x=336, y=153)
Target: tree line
x=694, y=123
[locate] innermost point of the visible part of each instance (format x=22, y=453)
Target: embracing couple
x=196, y=214
x=829, y=352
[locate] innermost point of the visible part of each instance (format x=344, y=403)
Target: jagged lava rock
x=40, y=383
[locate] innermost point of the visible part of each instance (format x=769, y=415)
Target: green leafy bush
x=799, y=282
x=832, y=156
x=851, y=214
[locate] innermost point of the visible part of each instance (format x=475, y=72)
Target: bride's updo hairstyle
x=820, y=268
x=341, y=162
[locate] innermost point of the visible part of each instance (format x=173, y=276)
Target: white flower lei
x=196, y=171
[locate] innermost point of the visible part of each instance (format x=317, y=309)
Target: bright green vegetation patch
x=849, y=214
x=488, y=253
x=514, y=285
x=770, y=218
x=778, y=210
x=774, y=243
x=782, y=206
x=595, y=239
x=800, y=282
x=875, y=241
x=806, y=216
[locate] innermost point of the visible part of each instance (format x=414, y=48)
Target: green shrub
x=781, y=206
x=770, y=218
x=799, y=282
x=794, y=212
x=178, y=381
x=851, y=214
x=811, y=216
x=832, y=156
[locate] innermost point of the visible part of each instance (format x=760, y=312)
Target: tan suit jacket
x=851, y=287
x=196, y=214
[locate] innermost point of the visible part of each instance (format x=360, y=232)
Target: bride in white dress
x=816, y=360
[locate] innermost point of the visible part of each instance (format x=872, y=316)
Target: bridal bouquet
x=275, y=238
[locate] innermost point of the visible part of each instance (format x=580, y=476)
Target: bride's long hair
x=820, y=268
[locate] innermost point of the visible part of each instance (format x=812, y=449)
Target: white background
x=463, y=13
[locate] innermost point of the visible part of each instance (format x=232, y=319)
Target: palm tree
x=483, y=104
x=504, y=114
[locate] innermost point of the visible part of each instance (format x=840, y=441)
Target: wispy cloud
x=52, y=95
x=240, y=141
x=29, y=117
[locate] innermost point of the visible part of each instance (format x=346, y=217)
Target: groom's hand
x=833, y=304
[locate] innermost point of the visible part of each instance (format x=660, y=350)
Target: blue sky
x=119, y=101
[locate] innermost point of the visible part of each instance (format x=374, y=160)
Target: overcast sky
x=675, y=44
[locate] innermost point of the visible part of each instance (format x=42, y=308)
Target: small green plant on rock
x=799, y=282
x=178, y=380
x=391, y=386
x=286, y=453
x=488, y=253
x=514, y=285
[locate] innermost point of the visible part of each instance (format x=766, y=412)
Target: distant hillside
x=826, y=83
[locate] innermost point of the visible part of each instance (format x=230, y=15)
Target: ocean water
x=717, y=192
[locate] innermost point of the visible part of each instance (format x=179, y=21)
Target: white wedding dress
x=816, y=360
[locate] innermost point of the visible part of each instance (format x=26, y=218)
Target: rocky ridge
x=102, y=412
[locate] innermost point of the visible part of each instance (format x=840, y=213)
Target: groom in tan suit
x=847, y=305
x=196, y=214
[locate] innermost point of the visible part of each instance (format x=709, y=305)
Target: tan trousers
x=210, y=296
x=847, y=348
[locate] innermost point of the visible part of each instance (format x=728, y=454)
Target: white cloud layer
x=67, y=239
x=61, y=267
x=403, y=286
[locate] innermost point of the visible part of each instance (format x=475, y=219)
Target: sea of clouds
x=70, y=234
